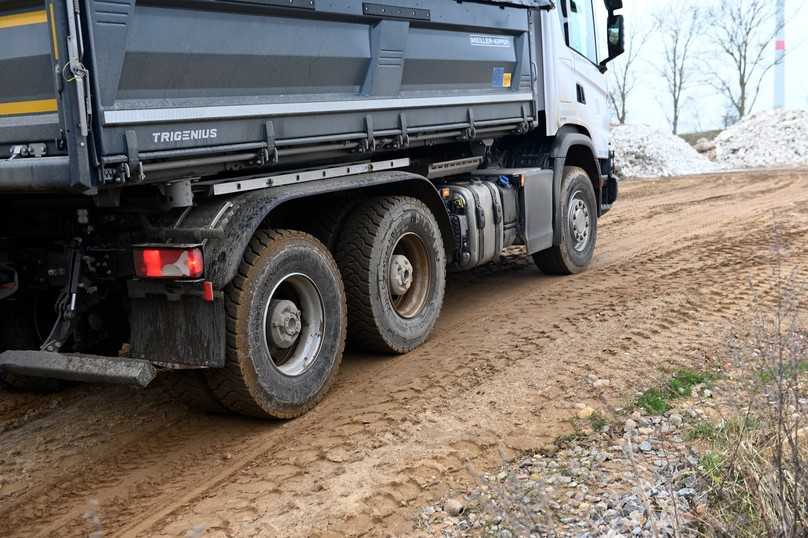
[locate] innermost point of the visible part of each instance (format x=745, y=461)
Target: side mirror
x=615, y=38
x=614, y=5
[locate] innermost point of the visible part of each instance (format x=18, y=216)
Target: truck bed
x=209, y=87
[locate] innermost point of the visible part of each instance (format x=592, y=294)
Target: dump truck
x=226, y=192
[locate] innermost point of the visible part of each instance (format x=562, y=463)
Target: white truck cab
x=575, y=39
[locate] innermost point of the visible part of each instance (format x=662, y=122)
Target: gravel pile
x=766, y=139
x=638, y=478
x=644, y=152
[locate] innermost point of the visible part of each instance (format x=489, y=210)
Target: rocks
x=574, y=493
x=704, y=146
x=601, y=383
x=644, y=152
x=453, y=507
x=765, y=139
x=585, y=412
x=637, y=479
x=686, y=492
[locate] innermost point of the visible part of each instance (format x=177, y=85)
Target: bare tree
x=679, y=29
x=623, y=77
x=743, y=32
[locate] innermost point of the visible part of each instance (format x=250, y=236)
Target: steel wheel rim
x=299, y=357
x=579, y=220
x=409, y=304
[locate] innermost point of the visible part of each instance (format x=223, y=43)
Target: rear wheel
x=394, y=266
x=286, y=322
x=328, y=222
x=579, y=229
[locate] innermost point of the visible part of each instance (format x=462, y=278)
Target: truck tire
x=394, y=266
x=286, y=323
x=579, y=230
x=327, y=225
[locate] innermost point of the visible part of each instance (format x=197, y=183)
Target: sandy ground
x=513, y=354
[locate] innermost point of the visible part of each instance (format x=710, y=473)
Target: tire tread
x=355, y=258
x=230, y=384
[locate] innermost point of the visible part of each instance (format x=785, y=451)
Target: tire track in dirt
x=681, y=317
x=355, y=446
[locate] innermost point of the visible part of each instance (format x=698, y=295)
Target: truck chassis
x=253, y=262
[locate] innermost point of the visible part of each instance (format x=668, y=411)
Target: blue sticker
x=498, y=77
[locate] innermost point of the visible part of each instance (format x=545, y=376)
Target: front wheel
x=579, y=227
x=286, y=323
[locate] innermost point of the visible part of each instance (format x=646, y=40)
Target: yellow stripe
x=53, y=32
x=24, y=19
x=27, y=107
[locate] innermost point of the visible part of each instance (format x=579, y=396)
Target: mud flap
x=609, y=194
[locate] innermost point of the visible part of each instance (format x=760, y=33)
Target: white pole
x=780, y=53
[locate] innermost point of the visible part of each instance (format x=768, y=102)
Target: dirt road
x=514, y=353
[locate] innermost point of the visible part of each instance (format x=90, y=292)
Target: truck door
x=590, y=84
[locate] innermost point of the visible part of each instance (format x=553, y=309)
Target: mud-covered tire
x=252, y=383
x=571, y=255
x=327, y=224
x=370, y=237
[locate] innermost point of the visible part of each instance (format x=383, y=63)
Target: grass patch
x=722, y=435
x=712, y=465
x=656, y=401
x=770, y=375
x=703, y=431
x=683, y=381
x=598, y=421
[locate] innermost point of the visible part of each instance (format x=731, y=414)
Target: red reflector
x=169, y=263
x=152, y=263
x=196, y=265
x=207, y=291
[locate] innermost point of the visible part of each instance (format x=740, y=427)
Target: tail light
x=169, y=262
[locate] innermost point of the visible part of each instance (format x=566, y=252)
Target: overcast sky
x=704, y=109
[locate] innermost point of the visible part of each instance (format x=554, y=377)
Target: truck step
x=76, y=367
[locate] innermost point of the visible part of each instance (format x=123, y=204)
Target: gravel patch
x=766, y=139
x=642, y=151
x=638, y=478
